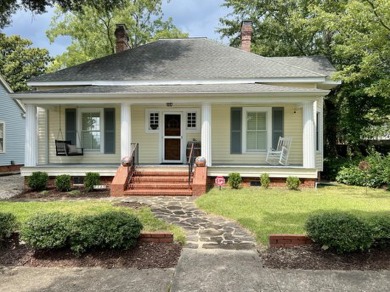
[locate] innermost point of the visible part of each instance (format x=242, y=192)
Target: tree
x=353, y=34
x=92, y=32
x=8, y=7
x=19, y=61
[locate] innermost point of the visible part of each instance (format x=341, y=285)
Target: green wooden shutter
x=235, y=130
x=109, y=130
x=277, y=125
x=71, y=125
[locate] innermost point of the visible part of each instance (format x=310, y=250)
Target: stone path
x=204, y=231
x=10, y=185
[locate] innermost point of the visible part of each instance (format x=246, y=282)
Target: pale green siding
x=221, y=137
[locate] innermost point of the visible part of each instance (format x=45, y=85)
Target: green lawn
x=282, y=211
x=23, y=210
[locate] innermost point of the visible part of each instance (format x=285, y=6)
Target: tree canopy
x=19, y=61
x=8, y=7
x=353, y=34
x=92, y=31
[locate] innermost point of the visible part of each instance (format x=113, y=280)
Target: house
x=165, y=94
x=11, y=130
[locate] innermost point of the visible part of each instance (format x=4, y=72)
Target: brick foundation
x=14, y=168
x=288, y=240
x=104, y=180
x=156, y=237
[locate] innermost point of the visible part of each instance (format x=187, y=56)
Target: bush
x=63, y=183
x=234, y=180
x=342, y=232
x=332, y=166
x=351, y=175
x=380, y=227
x=377, y=174
x=91, y=179
x=47, y=231
x=8, y=225
x=265, y=180
x=293, y=183
x=38, y=181
x=114, y=230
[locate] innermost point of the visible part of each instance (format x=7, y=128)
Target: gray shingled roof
x=163, y=89
x=178, y=59
x=318, y=64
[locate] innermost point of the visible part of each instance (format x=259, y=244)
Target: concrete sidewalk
x=221, y=270
x=198, y=270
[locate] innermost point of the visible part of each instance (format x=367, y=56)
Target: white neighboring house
x=164, y=94
x=12, y=130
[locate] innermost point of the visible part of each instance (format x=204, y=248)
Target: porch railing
x=191, y=160
x=134, y=156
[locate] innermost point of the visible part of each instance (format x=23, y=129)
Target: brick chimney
x=122, y=38
x=246, y=35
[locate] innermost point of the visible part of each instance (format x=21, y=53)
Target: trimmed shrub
x=380, y=228
x=292, y=183
x=234, y=180
x=8, y=225
x=63, y=183
x=91, y=179
x=339, y=231
x=265, y=180
x=114, y=230
x=47, y=231
x=38, y=181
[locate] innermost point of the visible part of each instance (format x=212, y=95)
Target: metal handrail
x=134, y=157
x=191, y=160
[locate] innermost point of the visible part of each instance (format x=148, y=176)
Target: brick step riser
x=157, y=193
x=162, y=173
x=151, y=179
x=157, y=186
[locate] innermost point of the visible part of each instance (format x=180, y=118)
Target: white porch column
x=206, y=133
x=308, y=136
x=31, y=140
x=125, y=129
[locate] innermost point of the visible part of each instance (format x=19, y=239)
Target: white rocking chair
x=281, y=153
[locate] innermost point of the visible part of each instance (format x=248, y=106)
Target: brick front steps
x=159, y=182
x=288, y=240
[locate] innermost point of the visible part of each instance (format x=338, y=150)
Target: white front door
x=172, y=138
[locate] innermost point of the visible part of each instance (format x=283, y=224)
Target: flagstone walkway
x=204, y=231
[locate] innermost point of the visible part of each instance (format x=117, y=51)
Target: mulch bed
x=52, y=194
x=312, y=257
x=143, y=256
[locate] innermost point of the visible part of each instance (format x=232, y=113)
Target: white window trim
x=197, y=128
x=268, y=111
x=319, y=124
x=79, y=130
x=4, y=150
x=147, y=120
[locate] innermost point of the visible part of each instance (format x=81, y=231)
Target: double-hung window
x=257, y=129
x=2, y=137
x=92, y=129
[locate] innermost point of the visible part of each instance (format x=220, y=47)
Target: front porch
x=109, y=170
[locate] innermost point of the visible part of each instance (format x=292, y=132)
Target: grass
x=24, y=210
x=270, y=211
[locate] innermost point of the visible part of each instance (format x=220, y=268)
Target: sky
x=199, y=18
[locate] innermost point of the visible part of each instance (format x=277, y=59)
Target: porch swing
x=65, y=147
